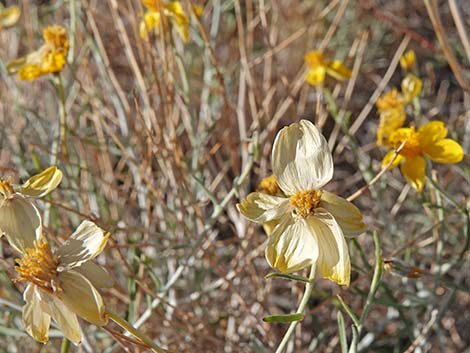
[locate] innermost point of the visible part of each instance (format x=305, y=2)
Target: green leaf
x=284, y=318
x=287, y=276
x=342, y=333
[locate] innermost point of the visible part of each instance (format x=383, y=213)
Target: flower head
x=172, y=10
x=9, y=16
x=391, y=107
x=408, y=60
x=411, y=87
x=311, y=221
x=19, y=218
x=319, y=67
x=49, y=58
x=63, y=283
x=428, y=142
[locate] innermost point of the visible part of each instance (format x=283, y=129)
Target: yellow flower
x=408, y=60
x=319, y=67
x=172, y=10
x=311, y=221
x=428, y=142
x=63, y=283
x=19, y=218
x=9, y=16
x=49, y=58
x=411, y=87
x=391, y=108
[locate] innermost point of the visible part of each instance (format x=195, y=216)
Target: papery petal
x=260, y=207
x=344, y=212
x=333, y=261
x=337, y=70
x=43, y=183
x=388, y=158
x=20, y=221
x=430, y=133
x=269, y=226
x=301, y=159
x=36, y=322
x=84, y=244
x=445, y=151
x=414, y=170
x=291, y=247
x=64, y=318
x=79, y=295
x=96, y=274
x=316, y=75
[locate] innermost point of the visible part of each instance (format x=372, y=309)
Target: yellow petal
x=43, y=183
x=414, y=170
x=291, y=247
x=411, y=87
x=197, y=9
x=337, y=70
x=348, y=216
x=408, y=60
x=301, y=159
x=179, y=19
x=388, y=157
x=333, y=260
x=445, y=151
x=314, y=58
x=390, y=120
x=316, y=75
x=36, y=322
x=20, y=221
x=84, y=244
x=79, y=295
x=9, y=16
x=430, y=133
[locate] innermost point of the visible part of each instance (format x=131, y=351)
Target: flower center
x=305, y=202
x=38, y=265
x=269, y=186
x=412, y=146
x=6, y=188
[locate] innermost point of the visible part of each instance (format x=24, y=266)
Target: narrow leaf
x=284, y=318
x=287, y=276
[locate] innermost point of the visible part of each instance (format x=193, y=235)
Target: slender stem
x=132, y=330
x=64, y=348
x=60, y=145
x=300, y=309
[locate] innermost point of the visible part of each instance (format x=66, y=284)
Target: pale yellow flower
x=19, y=218
x=172, y=10
x=411, y=87
x=428, y=142
x=312, y=221
x=270, y=186
x=9, y=16
x=49, y=58
x=391, y=108
x=319, y=67
x=408, y=60
x=63, y=283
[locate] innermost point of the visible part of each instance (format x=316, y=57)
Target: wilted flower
x=319, y=67
x=411, y=87
x=428, y=142
x=63, y=283
x=172, y=10
x=311, y=221
x=19, y=218
x=408, y=60
x=49, y=58
x=9, y=16
x=391, y=108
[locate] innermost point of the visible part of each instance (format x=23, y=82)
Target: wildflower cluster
x=319, y=67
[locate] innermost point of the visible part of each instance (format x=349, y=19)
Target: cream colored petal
x=43, y=183
x=9, y=16
x=333, y=260
x=64, y=318
x=36, y=322
x=345, y=213
x=301, y=159
x=96, y=274
x=84, y=244
x=79, y=295
x=20, y=221
x=414, y=170
x=291, y=247
x=260, y=207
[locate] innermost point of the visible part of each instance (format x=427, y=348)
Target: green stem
x=132, y=330
x=61, y=138
x=64, y=348
x=300, y=310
